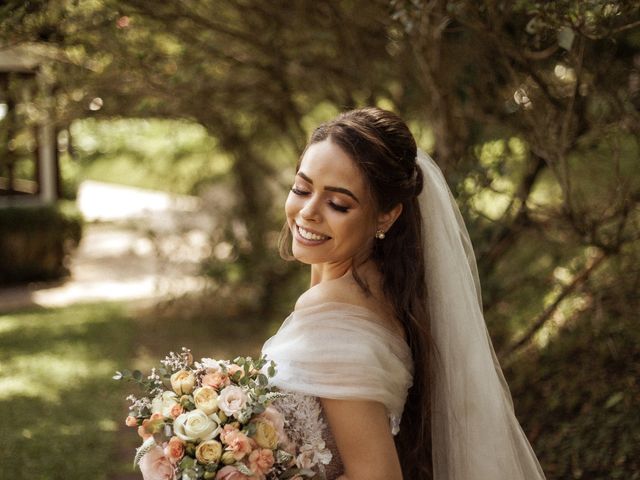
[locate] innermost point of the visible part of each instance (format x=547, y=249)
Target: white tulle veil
x=475, y=434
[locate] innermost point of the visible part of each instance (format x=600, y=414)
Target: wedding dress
x=340, y=351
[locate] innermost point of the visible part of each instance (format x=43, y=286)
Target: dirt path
x=137, y=245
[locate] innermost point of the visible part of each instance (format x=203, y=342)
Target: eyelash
x=338, y=208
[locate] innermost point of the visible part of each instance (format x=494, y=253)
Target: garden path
x=137, y=245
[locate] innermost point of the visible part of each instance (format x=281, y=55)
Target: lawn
x=59, y=405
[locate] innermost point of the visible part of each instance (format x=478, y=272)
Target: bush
x=579, y=400
x=35, y=241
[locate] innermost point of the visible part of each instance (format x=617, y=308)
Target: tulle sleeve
x=337, y=350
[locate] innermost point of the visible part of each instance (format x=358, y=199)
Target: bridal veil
x=475, y=434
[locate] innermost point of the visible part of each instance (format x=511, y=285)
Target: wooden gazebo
x=29, y=170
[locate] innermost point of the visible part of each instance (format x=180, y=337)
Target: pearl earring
x=379, y=234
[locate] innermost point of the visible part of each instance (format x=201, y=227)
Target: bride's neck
x=325, y=271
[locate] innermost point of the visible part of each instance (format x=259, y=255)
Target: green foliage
x=579, y=399
x=169, y=155
x=55, y=389
x=35, y=241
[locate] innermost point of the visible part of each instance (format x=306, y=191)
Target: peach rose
x=228, y=428
x=215, y=380
x=155, y=466
x=237, y=443
x=230, y=473
x=174, y=450
x=260, y=461
x=131, y=421
x=176, y=410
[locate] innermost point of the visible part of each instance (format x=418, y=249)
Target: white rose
x=206, y=399
x=232, y=400
x=195, y=426
x=163, y=403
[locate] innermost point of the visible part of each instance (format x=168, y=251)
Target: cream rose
x=209, y=452
x=206, y=399
x=183, y=382
x=164, y=403
x=195, y=426
x=232, y=400
x=265, y=434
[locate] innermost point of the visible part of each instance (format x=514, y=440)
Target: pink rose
x=174, y=450
x=260, y=461
x=155, y=466
x=230, y=473
x=216, y=380
x=237, y=443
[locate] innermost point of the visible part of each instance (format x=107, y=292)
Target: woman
x=390, y=339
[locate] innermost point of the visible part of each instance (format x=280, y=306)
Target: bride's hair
x=384, y=149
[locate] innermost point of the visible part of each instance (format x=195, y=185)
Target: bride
x=389, y=341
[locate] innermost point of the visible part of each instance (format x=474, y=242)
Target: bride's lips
x=306, y=241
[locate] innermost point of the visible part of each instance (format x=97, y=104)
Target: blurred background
x=146, y=149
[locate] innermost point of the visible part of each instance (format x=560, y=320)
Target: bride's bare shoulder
x=342, y=290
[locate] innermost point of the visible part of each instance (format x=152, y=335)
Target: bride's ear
x=386, y=219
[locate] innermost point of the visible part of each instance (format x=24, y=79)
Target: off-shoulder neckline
x=360, y=307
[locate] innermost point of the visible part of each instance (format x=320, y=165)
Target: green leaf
x=614, y=399
x=137, y=375
x=243, y=469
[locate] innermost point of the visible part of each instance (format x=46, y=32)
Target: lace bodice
x=306, y=426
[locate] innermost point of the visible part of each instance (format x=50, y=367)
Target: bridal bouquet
x=213, y=419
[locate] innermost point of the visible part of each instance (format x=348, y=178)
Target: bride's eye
x=297, y=191
x=339, y=208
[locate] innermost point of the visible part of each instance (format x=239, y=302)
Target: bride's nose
x=311, y=210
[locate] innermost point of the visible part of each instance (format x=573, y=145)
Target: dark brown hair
x=383, y=148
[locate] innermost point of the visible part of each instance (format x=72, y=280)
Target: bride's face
x=328, y=209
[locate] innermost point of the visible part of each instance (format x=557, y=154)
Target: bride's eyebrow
x=332, y=189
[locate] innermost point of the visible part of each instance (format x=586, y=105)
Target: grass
x=61, y=409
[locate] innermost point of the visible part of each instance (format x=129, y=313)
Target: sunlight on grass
x=56, y=390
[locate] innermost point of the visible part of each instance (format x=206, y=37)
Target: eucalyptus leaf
x=147, y=445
